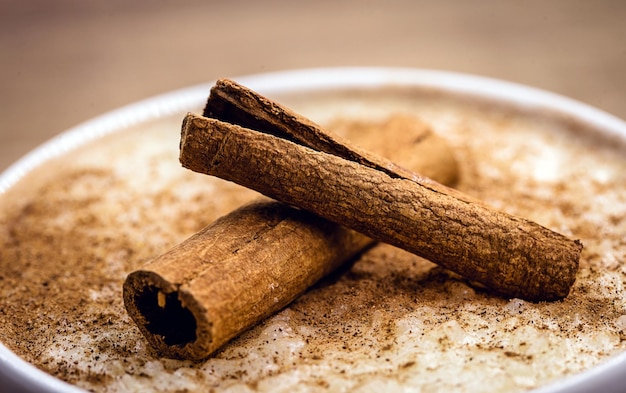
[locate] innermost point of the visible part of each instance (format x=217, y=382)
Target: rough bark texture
x=251, y=263
x=511, y=255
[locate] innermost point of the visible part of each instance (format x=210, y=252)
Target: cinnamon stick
x=512, y=255
x=236, y=104
x=254, y=261
x=232, y=274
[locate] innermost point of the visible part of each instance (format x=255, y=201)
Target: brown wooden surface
x=65, y=61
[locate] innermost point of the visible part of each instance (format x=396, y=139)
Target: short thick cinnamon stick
x=514, y=256
x=252, y=262
x=237, y=271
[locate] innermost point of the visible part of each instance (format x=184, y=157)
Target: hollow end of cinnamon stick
x=171, y=320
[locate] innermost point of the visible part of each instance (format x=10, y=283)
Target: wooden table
x=65, y=61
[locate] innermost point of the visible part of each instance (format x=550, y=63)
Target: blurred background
x=65, y=61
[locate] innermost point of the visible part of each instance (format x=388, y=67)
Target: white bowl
x=18, y=375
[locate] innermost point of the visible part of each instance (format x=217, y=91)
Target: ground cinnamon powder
x=391, y=319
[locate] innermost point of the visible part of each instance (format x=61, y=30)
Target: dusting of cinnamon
x=390, y=318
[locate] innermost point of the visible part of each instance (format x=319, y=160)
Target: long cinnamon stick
x=511, y=255
x=254, y=261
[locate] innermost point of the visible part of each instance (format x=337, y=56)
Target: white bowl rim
x=609, y=376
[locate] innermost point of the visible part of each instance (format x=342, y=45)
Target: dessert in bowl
x=89, y=207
